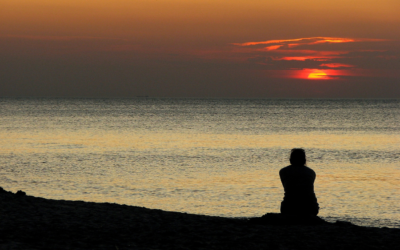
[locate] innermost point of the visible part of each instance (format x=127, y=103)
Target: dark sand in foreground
x=28, y=222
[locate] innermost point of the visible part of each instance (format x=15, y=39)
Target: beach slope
x=28, y=222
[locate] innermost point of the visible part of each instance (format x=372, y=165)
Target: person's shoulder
x=310, y=170
x=285, y=169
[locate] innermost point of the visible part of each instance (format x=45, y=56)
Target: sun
x=317, y=74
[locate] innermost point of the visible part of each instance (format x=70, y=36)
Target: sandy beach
x=29, y=222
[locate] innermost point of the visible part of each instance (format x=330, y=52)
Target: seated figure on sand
x=298, y=183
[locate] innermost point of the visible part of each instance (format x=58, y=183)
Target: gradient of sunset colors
x=220, y=48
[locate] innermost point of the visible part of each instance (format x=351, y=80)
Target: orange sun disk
x=318, y=74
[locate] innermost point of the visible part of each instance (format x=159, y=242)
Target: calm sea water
x=205, y=156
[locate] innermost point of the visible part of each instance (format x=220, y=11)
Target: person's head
x=298, y=157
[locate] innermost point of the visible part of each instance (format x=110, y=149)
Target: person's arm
x=314, y=176
x=281, y=175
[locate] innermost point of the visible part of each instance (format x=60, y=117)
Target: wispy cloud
x=273, y=47
x=337, y=65
x=310, y=41
x=320, y=58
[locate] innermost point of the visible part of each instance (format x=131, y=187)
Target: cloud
x=310, y=41
x=328, y=57
x=273, y=47
x=336, y=65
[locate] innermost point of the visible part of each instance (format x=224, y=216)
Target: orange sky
x=199, y=48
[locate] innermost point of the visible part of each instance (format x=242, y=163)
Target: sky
x=200, y=48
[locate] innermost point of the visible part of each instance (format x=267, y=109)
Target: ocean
x=217, y=157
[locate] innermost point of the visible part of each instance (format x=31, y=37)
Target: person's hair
x=298, y=157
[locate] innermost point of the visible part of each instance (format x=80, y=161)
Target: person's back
x=298, y=183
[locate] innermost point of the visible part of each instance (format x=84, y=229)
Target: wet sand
x=28, y=222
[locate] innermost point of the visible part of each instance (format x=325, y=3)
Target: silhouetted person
x=298, y=183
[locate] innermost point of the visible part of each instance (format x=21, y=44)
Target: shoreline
x=29, y=222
